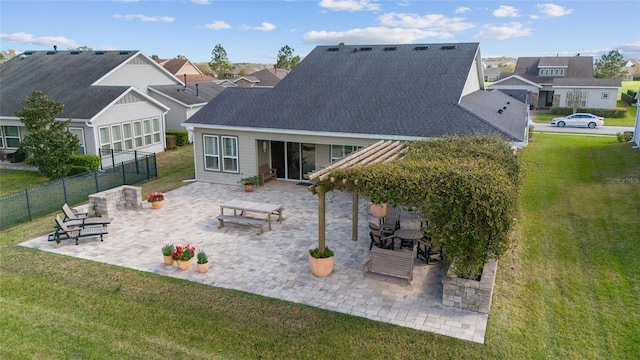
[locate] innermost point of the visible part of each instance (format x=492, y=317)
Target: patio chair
x=70, y=215
x=391, y=221
x=380, y=237
x=63, y=232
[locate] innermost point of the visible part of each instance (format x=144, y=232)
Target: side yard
x=569, y=288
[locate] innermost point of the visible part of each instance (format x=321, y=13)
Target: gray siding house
x=342, y=98
x=105, y=94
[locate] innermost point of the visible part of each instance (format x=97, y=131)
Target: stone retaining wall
x=106, y=203
x=470, y=294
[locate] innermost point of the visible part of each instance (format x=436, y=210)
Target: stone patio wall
x=470, y=294
x=106, y=203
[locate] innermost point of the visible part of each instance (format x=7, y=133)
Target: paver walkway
x=275, y=264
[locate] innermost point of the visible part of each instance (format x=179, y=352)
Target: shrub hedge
x=182, y=136
x=607, y=113
x=91, y=162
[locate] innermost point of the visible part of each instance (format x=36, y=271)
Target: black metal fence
x=29, y=204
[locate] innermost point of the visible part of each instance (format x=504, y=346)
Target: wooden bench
x=266, y=173
x=240, y=220
x=391, y=263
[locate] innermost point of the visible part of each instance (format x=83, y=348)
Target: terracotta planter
x=184, y=265
x=203, y=268
x=378, y=210
x=156, y=204
x=168, y=260
x=321, y=267
x=248, y=187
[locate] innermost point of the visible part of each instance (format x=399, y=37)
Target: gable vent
x=448, y=47
x=420, y=48
x=333, y=49
x=391, y=48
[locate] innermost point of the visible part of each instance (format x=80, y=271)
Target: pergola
x=382, y=151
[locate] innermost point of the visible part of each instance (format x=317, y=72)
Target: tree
x=220, y=64
x=610, y=65
x=155, y=57
x=6, y=55
x=575, y=99
x=48, y=142
x=286, y=60
x=181, y=57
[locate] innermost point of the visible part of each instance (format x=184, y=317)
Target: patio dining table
x=253, y=206
x=408, y=235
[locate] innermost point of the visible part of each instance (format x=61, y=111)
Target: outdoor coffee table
x=252, y=206
x=406, y=235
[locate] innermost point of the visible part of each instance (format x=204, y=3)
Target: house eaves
x=518, y=78
x=130, y=58
x=130, y=90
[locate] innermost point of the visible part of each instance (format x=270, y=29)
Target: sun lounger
x=70, y=215
x=64, y=232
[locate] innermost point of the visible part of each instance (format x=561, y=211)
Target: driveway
x=275, y=263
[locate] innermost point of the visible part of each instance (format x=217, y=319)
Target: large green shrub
x=607, y=113
x=182, y=136
x=91, y=162
x=465, y=186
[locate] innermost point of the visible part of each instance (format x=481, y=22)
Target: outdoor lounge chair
x=70, y=215
x=381, y=238
x=63, y=232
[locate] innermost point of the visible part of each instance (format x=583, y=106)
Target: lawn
x=14, y=180
x=568, y=289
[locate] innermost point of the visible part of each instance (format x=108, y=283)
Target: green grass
x=568, y=289
x=14, y=180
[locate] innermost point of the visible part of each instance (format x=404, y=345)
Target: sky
x=255, y=31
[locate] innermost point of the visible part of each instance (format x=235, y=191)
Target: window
x=551, y=71
x=604, y=95
x=105, y=139
x=147, y=132
x=340, y=151
x=128, y=136
x=116, y=135
x=80, y=134
x=211, y=153
x=1, y=137
x=579, y=96
x=12, y=136
x=229, y=154
x=137, y=133
x=156, y=130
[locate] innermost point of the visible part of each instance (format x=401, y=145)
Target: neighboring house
x=631, y=69
x=261, y=78
x=342, y=98
x=104, y=93
x=184, y=70
x=492, y=74
x=548, y=80
x=184, y=100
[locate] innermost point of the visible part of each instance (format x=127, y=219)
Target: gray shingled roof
x=610, y=82
x=387, y=90
x=63, y=76
x=269, y=77
x=577, y=67
x=190, y=95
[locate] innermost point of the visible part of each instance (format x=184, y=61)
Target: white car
x=579, y=119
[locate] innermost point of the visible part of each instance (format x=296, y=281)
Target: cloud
x=25, y=38
x=553, y=10
x=144, y=18
x=503, y=32
x=218, y=25
x=372, y=35
x=265, y=26
x=201, y=2
x=349, y=5
x=461, y=10
x=430, y=21
x=506, y=11
x=630, y=51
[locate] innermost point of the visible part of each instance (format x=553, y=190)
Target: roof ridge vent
x=333, y=49
x=28, y=52
x=420, y=48
x=390, y=48
x=51, y=52
x=124, y=53
x=99, y=52
x=448, y=47
x=368, y=48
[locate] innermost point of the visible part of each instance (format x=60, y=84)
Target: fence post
x=113, y=160
x=100, y=154
x=64, y=190
x=95, y=175
x=148, y=172
x=26, y=193
x=135, y=154
x=124, y=178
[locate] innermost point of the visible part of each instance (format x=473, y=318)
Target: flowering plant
x=156, y=196
x=184, y=253
x=167, y=250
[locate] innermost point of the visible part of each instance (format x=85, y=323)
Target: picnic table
x=243, y=206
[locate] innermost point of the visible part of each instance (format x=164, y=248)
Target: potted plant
x=321, y=262
x=167, y=251
x=183, y=255
x=250, y=182
x=156, y=199
x=203, y=262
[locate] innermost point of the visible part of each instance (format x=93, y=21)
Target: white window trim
x=233, y=157
x=108, y=143
x=81, y=138
x=6, y=137
x=113, y=140
x=130, y=138
x=155, y=133
x=205, y=155
x=147, y=134
x=136, y=136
